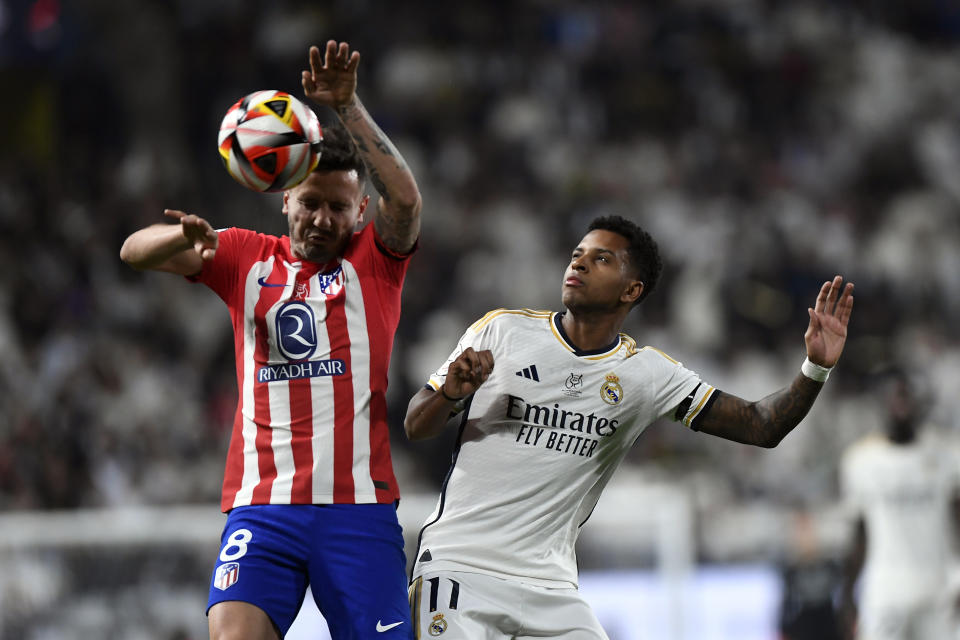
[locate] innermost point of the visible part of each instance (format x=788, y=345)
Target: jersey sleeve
x=389, y=266
x=682, y=395
x=472, y=337
x=221, y=273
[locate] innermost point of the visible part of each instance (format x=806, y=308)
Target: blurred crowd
x=766, y=145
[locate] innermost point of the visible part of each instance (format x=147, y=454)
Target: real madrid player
x=550, y=404
x=309, y=484
x=902, y=488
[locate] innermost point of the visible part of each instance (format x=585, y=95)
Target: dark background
x=767, y=146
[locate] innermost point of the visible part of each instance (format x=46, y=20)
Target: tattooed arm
x=332, y=81
x=766, y=422
x=763, y=423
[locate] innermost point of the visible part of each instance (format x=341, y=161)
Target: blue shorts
x=351, y=555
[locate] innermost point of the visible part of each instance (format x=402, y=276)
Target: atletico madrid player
x=309, y=484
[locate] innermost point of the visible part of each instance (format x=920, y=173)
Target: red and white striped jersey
x=312, y=346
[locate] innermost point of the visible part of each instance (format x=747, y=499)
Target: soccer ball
x=269, y=141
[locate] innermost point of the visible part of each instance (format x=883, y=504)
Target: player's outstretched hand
x=198, y=231
x=827, y=332
x=465, y=374
x=332, y=79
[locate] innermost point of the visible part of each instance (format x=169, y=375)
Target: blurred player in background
x=903, y=487
x=810, y=575
x=309, y=484
x=544, y=429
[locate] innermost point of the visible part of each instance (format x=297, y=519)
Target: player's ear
x=632, y=291
x=286, y=199
x=364, y=201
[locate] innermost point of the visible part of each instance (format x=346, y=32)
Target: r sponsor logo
x=296, y=331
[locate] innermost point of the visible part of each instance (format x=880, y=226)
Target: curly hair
x=642, y=250
x=339, y=153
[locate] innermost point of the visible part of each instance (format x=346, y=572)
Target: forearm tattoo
x=765, y=422
x=395, y=226
x=378, y=141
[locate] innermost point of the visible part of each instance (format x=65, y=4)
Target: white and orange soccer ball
x=269, y=141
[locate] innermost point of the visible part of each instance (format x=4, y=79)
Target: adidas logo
x=530, y=373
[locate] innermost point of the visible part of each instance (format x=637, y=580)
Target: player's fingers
x=834, y=292
x=470, y=370
x=195, y=221
x=316, y=61
x=354, y=62
x=306, y=79
x=330, y=54
x=173, y=213
x=343, y=55
x=822, y=297
x=846, y=307
x=847, y=293
x=814, y=322
x=458, y=367
x=486, y=362
x=472, y=361
x=843, y=294
x=462, y=366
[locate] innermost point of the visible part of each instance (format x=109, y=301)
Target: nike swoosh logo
x=263, y=283
x=381, y=628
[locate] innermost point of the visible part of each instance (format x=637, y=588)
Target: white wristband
x=815, y=371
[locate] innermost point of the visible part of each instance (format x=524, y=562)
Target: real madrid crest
x=611, y=391
x=438, y=626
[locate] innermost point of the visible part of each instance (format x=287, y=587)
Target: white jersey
x=903, y=493
x=538, y=443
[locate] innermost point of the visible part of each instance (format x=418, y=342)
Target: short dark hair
x=339, y=153
x=642, y=250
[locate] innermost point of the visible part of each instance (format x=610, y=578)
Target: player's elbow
x=770, y=441
x=412, y=422
x=772, y=436
x=414, y=430
x=411, y=431
x=407, y=201
x=129, y=255
x=420, y=422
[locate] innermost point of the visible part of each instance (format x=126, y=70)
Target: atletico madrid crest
x=227, y=575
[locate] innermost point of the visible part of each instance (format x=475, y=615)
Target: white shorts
x=930, y=621
x=454, y=605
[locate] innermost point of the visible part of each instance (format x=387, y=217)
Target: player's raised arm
x=765, y=422
x=332, y=81
x=429, y=411
x=176, y=248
